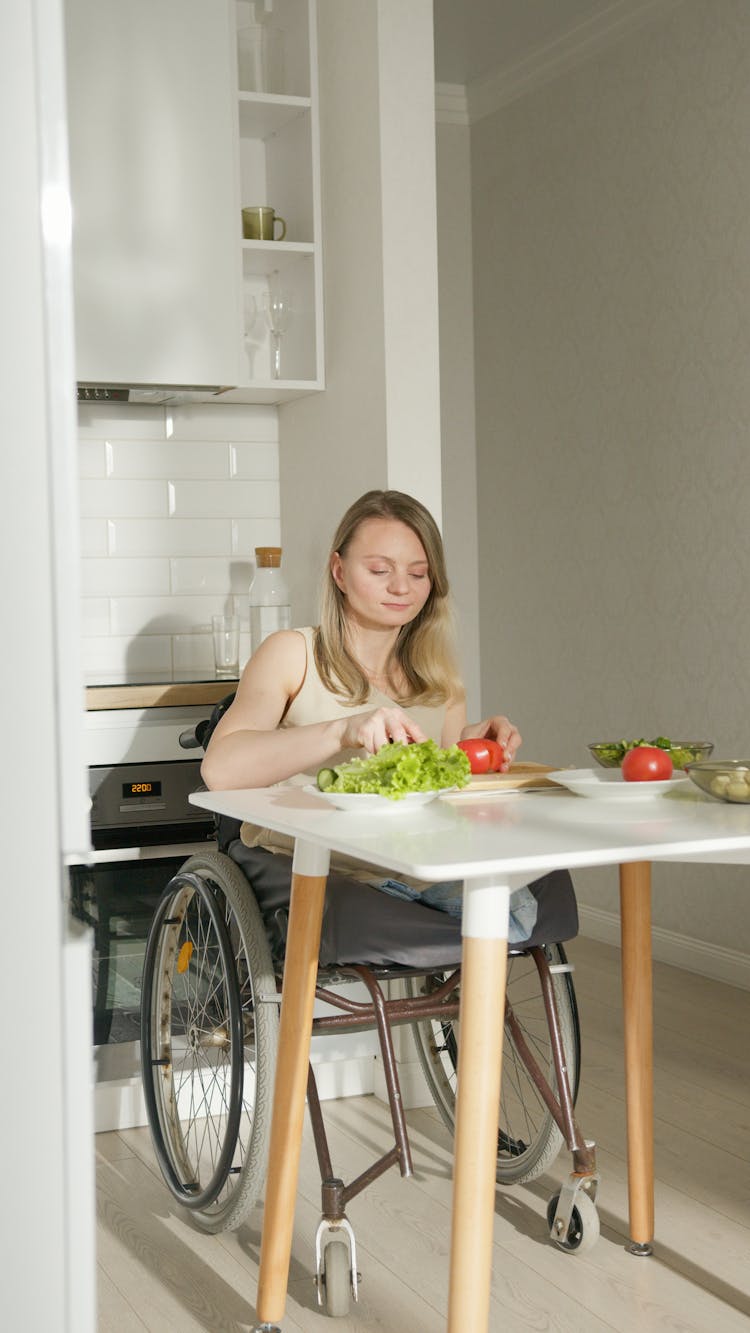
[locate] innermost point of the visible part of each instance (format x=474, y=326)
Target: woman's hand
x=370, y=731
x=497, y=729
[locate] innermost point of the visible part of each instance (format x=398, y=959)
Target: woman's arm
x=247, y=748
x=498, y=728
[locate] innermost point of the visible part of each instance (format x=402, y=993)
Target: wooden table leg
x=310, y=871
x=637, y=995
x=484, y=963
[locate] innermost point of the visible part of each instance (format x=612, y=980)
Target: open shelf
x=264, y=114
x=259, y=258
x=278, y=167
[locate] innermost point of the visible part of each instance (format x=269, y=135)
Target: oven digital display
x=134, y=790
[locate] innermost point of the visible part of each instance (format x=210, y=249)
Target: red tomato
x=646, y=763
x=478, y=752
x=497, y=754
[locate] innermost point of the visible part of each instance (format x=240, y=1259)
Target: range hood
x=152, y=395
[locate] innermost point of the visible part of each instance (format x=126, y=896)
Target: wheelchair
x=209, y=1026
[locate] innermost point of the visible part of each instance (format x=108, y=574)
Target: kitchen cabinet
x=151, y=114
x=278, y=164
x=179, y=118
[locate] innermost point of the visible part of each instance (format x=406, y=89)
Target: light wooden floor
x=157, y=1273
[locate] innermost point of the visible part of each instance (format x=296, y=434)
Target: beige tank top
x=316, y=703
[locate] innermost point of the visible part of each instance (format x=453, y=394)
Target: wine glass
x=251, y=338
x=277, y=310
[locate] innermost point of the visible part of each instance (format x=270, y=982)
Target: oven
x=143, y=828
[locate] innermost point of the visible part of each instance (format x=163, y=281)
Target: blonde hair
x=424, y=652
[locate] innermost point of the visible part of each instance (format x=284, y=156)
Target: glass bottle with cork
x=269, y=596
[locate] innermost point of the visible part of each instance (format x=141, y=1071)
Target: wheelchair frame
x=571, y=1214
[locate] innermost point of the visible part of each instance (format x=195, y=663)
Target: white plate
x=370, y=801
x=610, y=785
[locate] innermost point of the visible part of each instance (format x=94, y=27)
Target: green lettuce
x=614, y=752
x=398, y=769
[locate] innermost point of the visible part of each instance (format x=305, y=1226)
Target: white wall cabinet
x=154, y=186
x=181, y=113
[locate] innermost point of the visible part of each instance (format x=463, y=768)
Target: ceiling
x=477, y=37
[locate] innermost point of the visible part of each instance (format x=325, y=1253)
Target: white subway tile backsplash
x=95, y=616
x=171, y=536
x=247, y=533
x=210, y=576
x=93, y=536
x=240, y=576
x=123, y=421
x=110, y=499
x=173, y=502
x=107, y=655
x=150, y=458
x=117, y=578
x=259, y=461
x=217, y=421
x=193, y=652
x=163, y=615
x=235, y=499
x=92, y=458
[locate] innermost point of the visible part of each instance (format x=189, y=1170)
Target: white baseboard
x=708, y=960
x=120, y=1104
x=411, y=1081
x=344, y=1078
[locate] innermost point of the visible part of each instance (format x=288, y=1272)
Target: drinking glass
x=252, y=338
x=226, y=631
x=277, y=310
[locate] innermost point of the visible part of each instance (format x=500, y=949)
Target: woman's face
x=383, y=574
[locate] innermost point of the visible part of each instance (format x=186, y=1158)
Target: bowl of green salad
x=610, y=753
x=398, y=777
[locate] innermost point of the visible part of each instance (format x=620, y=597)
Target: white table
x=493, y=844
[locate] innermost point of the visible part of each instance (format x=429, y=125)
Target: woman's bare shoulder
x=271, y=678
x=283, y=653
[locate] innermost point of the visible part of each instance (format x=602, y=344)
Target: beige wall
x=457, y=396
x=612, y=290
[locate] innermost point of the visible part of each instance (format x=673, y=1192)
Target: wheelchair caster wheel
x=583, y=1228
x=336, y=1279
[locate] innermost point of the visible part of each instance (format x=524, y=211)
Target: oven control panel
x=144, y=796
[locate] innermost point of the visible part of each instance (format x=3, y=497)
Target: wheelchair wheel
x=336, y=1278
x=209, y=1025
x=528, y=1139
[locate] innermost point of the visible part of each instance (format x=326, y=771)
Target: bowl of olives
x=724, y=779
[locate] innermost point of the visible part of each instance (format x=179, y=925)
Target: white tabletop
x=510, y=833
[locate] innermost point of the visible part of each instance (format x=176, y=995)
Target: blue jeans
x=448, y=897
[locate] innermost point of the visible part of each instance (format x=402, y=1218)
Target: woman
x=380, y=667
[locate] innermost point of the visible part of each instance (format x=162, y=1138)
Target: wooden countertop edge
x=99, y=697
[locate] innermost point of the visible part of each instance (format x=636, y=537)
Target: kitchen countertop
x=155, y=690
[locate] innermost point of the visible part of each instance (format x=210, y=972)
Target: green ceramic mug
x=259, y=224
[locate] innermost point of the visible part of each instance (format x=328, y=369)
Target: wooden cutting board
x=520, y=776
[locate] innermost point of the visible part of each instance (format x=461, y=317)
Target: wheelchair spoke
x=208, y=1089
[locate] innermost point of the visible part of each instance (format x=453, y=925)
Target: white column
x=409, y=223
x=377, y=424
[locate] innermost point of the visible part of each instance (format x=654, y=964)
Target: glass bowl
x=724, y=779
x=680, y=752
